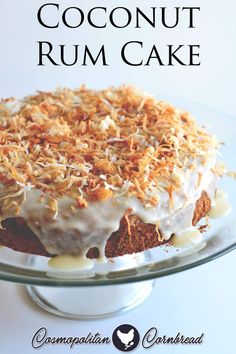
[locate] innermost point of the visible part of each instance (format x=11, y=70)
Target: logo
x=125, y=338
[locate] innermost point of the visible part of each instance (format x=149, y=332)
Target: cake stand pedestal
x=90, y=302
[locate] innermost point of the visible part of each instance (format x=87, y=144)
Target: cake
x=101, y=173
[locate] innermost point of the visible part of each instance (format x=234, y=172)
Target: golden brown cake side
x=132, y=236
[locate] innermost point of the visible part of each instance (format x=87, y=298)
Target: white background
x=196, y=301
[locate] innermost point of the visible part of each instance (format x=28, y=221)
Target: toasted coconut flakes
x=14, y=195
x=82, y=203
x=159, y=236
x=220, y=168
x=232, y=174
x=65, y=140
x=53, y=206
x=106, y=123
x=170, y=189
x=100, y=193
x=199, y=179
x=126, y=216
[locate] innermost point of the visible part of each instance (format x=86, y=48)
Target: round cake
x=101, y=173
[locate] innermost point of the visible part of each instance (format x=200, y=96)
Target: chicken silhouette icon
x=125, y=338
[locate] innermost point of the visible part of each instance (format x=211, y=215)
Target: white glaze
x=66, y=262
x=187, y=238
x=71, y=231
x=220, y=205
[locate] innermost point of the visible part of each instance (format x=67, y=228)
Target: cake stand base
x=85, y=303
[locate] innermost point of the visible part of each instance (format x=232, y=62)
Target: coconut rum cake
x=101, y=173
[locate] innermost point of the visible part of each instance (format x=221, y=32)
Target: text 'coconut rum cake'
x=102, y=173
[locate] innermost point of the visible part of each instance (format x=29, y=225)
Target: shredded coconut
x=94, y=145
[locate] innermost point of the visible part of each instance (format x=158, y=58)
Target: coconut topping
x=96, y=145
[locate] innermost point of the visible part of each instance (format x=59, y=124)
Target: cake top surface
x=94, y=145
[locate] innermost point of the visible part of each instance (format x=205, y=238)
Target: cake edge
x=133, y=235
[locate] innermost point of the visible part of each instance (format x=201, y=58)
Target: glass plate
x=219, y=239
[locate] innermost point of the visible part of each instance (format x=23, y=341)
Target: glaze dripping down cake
x=101, y=173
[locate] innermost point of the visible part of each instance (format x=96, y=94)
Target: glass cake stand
x=124, y=282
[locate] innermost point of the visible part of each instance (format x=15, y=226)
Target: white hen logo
x=126, y=338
